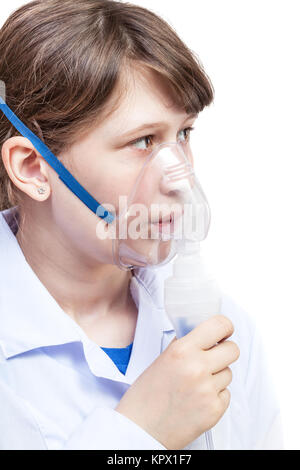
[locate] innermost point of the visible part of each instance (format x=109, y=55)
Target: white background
x=248, y=164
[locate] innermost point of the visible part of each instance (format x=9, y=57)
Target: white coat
x=58, y=389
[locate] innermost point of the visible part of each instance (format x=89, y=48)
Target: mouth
x=171, y=218
x=165, y=225
x=165, y=220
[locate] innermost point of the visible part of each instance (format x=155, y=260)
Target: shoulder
x=18, y=426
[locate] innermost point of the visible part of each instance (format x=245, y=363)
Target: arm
x=103, y=428
x=106, y=428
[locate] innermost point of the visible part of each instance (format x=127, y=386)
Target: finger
x=211, y=331
x=222, y=355
x=225, y=396
x=222, y=379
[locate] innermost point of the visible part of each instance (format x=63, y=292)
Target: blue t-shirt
x=120, y=356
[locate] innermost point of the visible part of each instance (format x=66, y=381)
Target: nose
x=176, y=183
x=184, y=147
x=175, y=171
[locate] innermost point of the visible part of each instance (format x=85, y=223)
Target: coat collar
x=30, y=318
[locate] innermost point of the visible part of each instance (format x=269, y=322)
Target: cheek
x=74, y=226
x=124, y=190
x=144, y=193
x=108, y=183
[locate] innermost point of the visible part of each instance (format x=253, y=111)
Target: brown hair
x=61, y=61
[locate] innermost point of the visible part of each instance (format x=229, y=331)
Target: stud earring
x=41, y=190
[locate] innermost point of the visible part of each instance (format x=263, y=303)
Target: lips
x=171, y=218
x=167, y=219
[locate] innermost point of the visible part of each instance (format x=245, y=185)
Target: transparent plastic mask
x=166, y=204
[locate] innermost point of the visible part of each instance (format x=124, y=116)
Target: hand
x=183, y=393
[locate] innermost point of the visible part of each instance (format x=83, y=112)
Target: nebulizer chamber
x=191, y=293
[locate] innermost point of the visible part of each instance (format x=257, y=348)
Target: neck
x=88, y=291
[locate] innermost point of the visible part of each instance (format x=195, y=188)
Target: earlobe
x=43, y=193
x=25, y=167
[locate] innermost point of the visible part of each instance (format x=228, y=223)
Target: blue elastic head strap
x=57, y=166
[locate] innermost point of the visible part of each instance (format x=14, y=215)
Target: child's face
x=107, y=161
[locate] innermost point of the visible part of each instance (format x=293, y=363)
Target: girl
x=89, y=358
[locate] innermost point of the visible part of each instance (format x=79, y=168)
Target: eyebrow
x=151, y=125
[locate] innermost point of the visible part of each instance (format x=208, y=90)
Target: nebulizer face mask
x=165, y=208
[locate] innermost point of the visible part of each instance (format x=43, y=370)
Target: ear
x=26, y=167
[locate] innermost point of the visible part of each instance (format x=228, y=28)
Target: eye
x=187, y=132
x=142, y=141
x=145, y=142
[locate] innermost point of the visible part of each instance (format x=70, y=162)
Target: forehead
x=142, y=95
